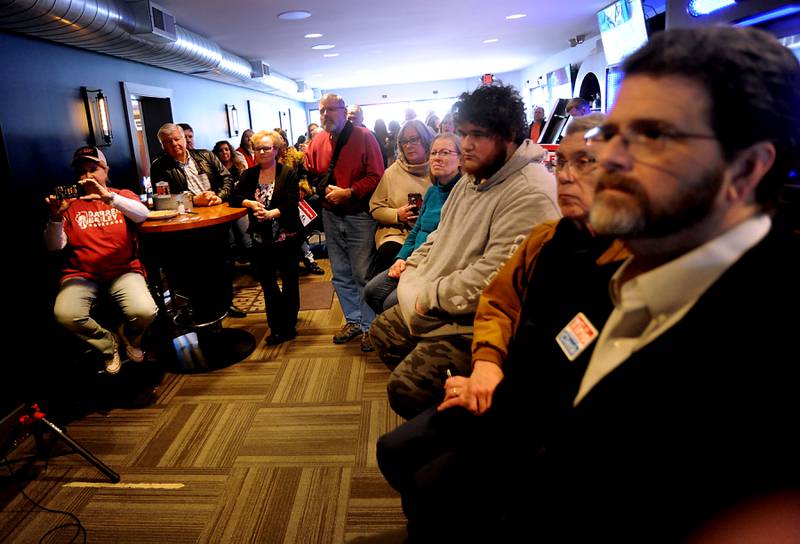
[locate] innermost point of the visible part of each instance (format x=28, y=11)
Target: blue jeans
x=351, y=248
x=381, y=292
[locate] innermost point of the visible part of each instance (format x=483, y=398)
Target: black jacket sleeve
x=245, y=188
x=287, y=198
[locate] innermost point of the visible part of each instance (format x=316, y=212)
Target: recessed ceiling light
x=313, y=35
x=323, y=46
x=316, y=75
x=516, y=16
x=491, y=40
x=331, y=55
x=294, y=15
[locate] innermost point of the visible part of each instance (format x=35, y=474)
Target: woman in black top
x=269, y=191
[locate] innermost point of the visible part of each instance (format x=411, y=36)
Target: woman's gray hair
x=425, y=135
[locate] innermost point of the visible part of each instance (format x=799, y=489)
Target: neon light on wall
x=769, y=15
x=698, y=8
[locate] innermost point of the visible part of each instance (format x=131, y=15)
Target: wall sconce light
x=233, y=120
x=97, y=116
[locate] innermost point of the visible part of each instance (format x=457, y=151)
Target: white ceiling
x=385, y=42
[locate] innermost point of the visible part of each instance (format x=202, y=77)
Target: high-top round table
x=195, y=245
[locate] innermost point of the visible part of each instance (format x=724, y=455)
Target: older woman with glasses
x=270, y=192
x=393, y=204
x=444, y=172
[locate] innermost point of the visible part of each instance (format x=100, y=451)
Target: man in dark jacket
x=195, y=170
x=198, y=171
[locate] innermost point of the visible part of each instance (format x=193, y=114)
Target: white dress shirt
x=649, y=304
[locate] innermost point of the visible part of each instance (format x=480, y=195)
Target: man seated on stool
x=98, y=232
x=198, y=171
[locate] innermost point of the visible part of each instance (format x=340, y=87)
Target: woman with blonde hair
x=270, y=192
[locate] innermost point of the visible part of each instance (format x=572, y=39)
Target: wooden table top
x=205, y=216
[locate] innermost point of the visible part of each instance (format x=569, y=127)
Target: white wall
x=418, y=91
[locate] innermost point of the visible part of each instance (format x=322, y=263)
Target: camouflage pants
x=419, y=364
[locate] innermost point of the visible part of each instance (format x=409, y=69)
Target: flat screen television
x=622, y=29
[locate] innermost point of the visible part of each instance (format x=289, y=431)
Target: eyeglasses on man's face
x=409, y=141
x=443, y=153
x=582, y=163
x=264, y=148
x=644, y=138
x=324, y=109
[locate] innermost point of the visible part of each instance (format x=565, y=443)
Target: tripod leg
x=86, y=454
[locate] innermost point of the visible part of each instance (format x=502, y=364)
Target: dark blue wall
x=43, y=121
x=43, y=117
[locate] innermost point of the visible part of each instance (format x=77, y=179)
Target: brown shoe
x=347, y=333
x=366, y=343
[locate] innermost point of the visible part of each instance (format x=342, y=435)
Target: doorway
x=147, y=108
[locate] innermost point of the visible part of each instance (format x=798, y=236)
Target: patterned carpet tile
x=274, y=504
x=319, y=380
x=248, y=381
x=154, y=515
x=314, y=295
x=21, y=522
x=374, y=508
x=111, y=437
x=377, y=418
x=376, y=376
x=197, y=435
x=302, y=435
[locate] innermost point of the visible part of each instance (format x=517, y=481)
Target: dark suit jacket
x=285, y=198
x=701, y=418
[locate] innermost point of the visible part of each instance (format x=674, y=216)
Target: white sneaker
x=114, y=364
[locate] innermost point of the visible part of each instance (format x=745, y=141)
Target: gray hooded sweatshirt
x=482, y=225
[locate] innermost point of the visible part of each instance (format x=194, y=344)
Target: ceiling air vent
x=260, y=68
x=153, y=22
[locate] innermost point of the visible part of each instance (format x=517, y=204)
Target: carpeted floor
x=277, y=448
x=314, y=295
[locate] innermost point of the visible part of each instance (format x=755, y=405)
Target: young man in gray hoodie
x=505, y=192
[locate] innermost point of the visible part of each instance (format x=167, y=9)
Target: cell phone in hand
x=415, y=201
x=62, y=192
